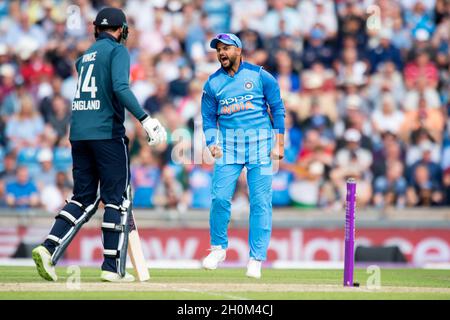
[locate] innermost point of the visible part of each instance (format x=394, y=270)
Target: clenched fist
x=216, y=151
x=277, y=152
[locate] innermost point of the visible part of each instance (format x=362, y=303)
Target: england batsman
x=100, y=151
x=243, y=122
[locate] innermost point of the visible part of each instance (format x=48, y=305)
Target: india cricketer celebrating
x=100, y=151
x=242, y=111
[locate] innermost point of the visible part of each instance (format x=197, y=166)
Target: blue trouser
x=104, y=162
x=259, y=178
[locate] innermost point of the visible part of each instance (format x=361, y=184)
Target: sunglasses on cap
x=227, y=39
x=224, y=36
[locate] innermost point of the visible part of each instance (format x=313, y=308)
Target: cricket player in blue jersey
x=243, y=121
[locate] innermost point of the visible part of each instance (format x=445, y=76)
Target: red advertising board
x=419, y=246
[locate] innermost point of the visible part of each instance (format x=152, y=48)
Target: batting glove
x=156, y=133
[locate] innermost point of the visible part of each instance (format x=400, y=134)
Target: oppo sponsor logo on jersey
x=236, y=104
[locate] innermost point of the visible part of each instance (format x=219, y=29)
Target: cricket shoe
x=43, y=260
x=109, y=276
x=213, y=259
x=254, y=268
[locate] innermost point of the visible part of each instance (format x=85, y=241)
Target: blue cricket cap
x=227, y=38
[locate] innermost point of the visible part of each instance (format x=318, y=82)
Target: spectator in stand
x=11, y=102
x=440, y=9
x=200, y=183
x=179, y=87
x=352, y=25
x=281, y=19
x=350, y=105
x=46, y=21
x=8, y=173
x=145, y=176
x=314, y=148
x=22, y=192
x=69, y=85
x=387, y=116
x=349, y=67
x=45, y=105
x=142, y=74
x=418, y=17
x=287, y=78
x=23, y=30
x=434, y=172
x=319, y=121
x=317, y=50
x=59, y=119
x=421, y=42
x=312, y=144
x=152, y=40
x=317, y=84
x=441, y=36
x=195, y=35
x=219, y=14
x=390, y=190
x=35, y=67
x=424, y=117
x=390, y=151
x=167, y=65
x=154, y=103
x=189, y=105
x=421, y=68
x=384, y=52
x=251, y=17
x=386, y=80
x=253, y=45
x=169, y=194
x=353, y=161
x=305, y=189
x=355, y=117
x=423, y=190
x=314, y=12
x=402, y=37
x=7, y=80
x=422, y=140
x=25, y=127
x=421, y=90
x=52, y=198
x=47, y=175
x=281, y=181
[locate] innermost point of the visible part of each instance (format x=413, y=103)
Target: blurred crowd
x=365, y=83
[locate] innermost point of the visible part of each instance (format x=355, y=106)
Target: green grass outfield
x=181, y=284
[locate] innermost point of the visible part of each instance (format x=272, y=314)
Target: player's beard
x=229, y=63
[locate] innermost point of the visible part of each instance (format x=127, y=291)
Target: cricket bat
x=134, y=245
x=137, y=256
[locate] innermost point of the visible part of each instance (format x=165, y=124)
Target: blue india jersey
x=240, y=112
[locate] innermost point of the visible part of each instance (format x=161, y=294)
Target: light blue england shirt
x=241, y=113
